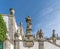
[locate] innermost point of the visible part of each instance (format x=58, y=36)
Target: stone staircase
x=54, y=44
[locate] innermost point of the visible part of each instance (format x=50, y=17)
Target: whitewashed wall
x=6, y=20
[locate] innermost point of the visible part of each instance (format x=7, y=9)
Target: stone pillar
x=11, y=27
x=11, y=24
x=16, y=44
x=21, y=30
x=41, y=44
x=29, y=38
x=40, y=39
x=54, y=37
x=29, y=26
x=16, y=41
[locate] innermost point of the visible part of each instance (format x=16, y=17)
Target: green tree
x=3, y=29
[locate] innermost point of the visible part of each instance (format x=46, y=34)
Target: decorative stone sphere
x=12, y=11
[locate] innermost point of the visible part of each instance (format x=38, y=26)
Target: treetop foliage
x=3, y=29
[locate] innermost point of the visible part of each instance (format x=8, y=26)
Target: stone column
x=11, y=24
x=41, y=44
x=54, y=37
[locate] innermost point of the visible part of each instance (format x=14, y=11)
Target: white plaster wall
x=6, y=20
x=48, y=45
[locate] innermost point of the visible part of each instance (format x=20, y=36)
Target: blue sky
x=45, y=14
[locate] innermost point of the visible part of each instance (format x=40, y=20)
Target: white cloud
x=48, y=24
